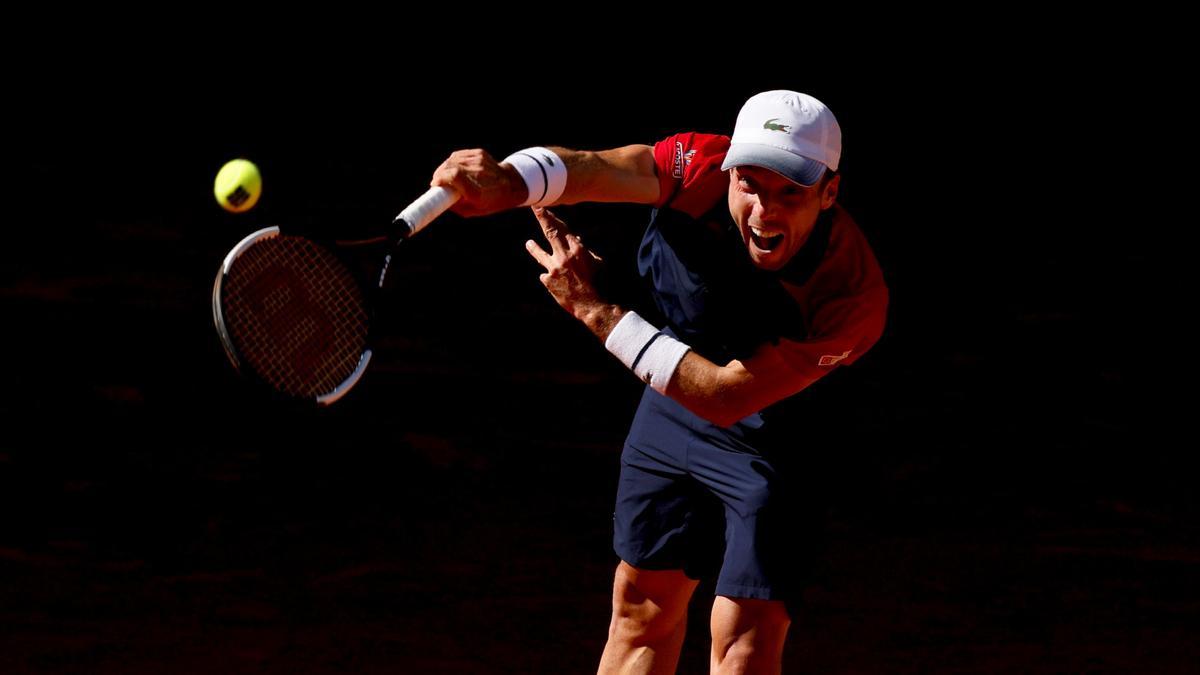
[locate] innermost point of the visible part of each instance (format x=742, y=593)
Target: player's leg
x=768, y=557
x=748, y=635
x=667, y=533
x=649, y=620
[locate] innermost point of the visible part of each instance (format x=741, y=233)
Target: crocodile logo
x=771, y=125
x=832, y=359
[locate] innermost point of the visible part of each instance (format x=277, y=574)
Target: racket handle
x=423, y=210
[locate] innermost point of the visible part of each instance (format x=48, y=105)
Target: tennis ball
x=238, y=186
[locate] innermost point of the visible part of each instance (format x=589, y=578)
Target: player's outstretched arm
x=487, y=186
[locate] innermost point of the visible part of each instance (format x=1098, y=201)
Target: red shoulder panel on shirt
x=689, y=171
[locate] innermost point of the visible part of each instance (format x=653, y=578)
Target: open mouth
x=764, y=240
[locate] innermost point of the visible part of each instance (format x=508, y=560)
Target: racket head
x=292, y=317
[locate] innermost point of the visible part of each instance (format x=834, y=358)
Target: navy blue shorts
x=714, y=502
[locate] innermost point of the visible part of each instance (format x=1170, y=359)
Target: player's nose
x=766, y=210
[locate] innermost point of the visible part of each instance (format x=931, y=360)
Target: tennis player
x=763, y=285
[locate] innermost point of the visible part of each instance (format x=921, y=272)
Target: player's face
x=773, y=214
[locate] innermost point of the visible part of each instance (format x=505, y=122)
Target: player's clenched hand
x=486, y=185
x=570, y=267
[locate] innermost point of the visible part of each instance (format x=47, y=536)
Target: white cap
x=790, y=133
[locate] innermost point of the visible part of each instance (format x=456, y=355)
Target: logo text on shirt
x=681, y=160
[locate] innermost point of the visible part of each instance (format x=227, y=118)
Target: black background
x=1004, y=494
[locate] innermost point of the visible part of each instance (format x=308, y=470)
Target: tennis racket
x=292, y=316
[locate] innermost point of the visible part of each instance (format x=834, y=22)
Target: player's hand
x=570, y=267
x=486, y=185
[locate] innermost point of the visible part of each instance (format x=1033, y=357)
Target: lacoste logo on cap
x=770, y=124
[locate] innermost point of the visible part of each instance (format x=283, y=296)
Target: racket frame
x=414, y=218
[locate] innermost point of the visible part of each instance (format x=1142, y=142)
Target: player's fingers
x=455, y=178
x=467, y=155
x=574, y=243
x=554, y=229
x=538, y=254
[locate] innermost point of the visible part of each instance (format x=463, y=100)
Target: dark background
x=1004, y=493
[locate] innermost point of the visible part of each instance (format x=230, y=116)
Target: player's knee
x=638, y=629
x=648, y=606
x=743, y=624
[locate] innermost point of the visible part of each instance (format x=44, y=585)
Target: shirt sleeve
x=685, y=160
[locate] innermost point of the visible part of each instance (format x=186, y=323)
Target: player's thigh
x=663, y=519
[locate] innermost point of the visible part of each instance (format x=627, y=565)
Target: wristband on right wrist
x=544, y=173
x=650, y=353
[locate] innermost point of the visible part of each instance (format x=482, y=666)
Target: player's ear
x=830, y=191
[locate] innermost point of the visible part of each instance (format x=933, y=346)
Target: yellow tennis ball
x=238, y=186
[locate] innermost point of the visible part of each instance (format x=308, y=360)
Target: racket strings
x=296, y=314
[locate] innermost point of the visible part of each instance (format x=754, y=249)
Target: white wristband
x=544, y=173
x=650, y=353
